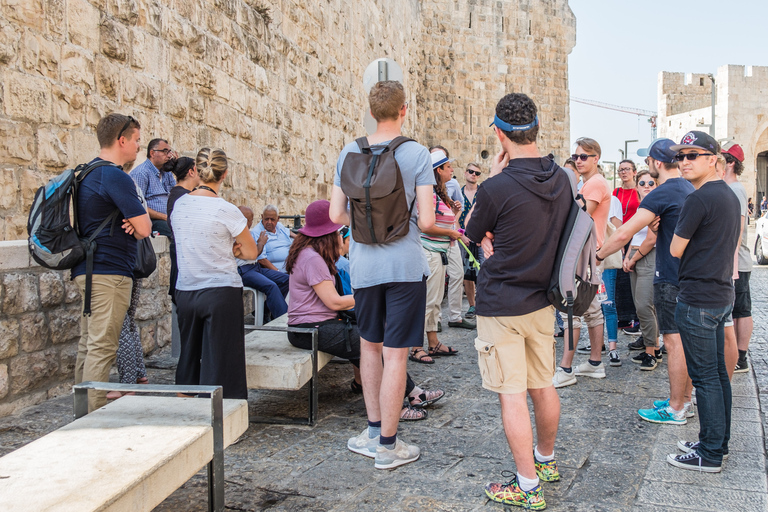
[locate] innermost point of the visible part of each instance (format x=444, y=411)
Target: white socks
x=527, y=484
x=542, y=458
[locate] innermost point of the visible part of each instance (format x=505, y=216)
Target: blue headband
x=512, y=127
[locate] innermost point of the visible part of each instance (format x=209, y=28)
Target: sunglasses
x=125, y=126
x=476, y=173
x=582, y=156
x=690, y=156
x=650, y=183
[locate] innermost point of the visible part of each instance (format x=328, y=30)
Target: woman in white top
x=210, y=233
x=641, y=262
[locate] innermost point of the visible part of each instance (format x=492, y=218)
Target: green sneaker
x=546, y=471
x=509, y=493
x=470, y=312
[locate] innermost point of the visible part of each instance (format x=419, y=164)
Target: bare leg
x=731, y=350
x=517, y=427
x=357, y=374
x=371, y=370
x=469, y=290
x=567, y=360
x=679, y=389
x=596, y=341
x=743, y=328
x=392, y=389
x=546, y=408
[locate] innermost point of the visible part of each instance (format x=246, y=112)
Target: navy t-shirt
x=711, y=221
x=665, y=201
x=104, y=189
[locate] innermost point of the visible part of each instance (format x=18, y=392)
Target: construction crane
x=628, y=110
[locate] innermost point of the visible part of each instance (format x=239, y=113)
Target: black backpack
x=55, y=241
x=575, y=278
x=378, y=209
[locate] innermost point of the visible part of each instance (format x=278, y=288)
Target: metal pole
x=712, y=126
x=626, y=152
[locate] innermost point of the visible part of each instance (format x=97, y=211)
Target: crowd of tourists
x=670, y=249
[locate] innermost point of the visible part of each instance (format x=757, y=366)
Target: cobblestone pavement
x=609, y=459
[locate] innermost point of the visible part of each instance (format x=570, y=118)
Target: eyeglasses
x=476, y=173
x=405, y=105
x=650, y=183
x=625, y=169
x=583, y=157
x=690, y=156
x=166, y=150
x=126, y=125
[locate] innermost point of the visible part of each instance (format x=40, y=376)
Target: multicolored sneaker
x=690, y=411
x=665, y=415
x=510, y=493
x=546, y=471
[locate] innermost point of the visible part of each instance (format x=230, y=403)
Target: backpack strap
x=362, y=143
x=397, y=141
x=90, y=248
x=81, y=171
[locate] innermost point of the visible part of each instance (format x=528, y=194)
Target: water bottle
x=602, y=295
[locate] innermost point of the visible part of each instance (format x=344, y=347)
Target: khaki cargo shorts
x=516, y=353
x=593, y=317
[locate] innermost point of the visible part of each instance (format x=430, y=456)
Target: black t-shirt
x=175, y=193
x=665, y=201
x=104, y=189
x=525, y=207
x=711, y=220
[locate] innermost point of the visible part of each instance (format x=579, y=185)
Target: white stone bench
x=271, y=362
x=127, y=456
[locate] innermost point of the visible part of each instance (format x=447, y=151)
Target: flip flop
x=420, y=359
x=436, y=352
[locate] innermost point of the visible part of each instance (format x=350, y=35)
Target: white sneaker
x=587, y=370
x=402, y=453
x=563, y=378
x=690, y=410
x=363, y=444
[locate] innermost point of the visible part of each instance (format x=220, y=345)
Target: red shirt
x=630, y=201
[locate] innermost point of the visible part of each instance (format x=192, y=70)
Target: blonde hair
x=211, y=164
x=590, y=145
x=386, y=99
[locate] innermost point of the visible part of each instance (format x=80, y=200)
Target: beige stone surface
x=135, y=451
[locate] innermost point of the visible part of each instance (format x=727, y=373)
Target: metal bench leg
x=313, y=381
x=216, y=466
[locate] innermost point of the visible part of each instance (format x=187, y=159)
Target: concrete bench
x=126, y=456
x=271, y=362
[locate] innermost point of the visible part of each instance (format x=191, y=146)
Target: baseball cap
x=735, y=151
x=438, y=158
x=661, y=150
x=699, y=140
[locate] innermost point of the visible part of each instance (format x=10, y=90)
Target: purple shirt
x=306, y=306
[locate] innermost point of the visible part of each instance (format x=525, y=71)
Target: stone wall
x=40, y=312
x=681, y=92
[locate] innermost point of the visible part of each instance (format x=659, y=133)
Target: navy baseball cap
x=661, y=150
x=698, y=140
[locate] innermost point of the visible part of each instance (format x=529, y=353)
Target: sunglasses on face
x=582, y=156
x=125, y=126
x=476, y=173
x=690, y=156
x=650, y=183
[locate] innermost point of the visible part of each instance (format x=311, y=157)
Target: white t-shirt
x=615, y=210
x=204, y=229
x=639, y=237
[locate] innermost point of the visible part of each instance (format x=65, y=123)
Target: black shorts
x=392, y=313
x=742, y=306
x=470, y=273
x=665, y=302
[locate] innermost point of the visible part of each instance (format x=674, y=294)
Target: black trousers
x=212, y=339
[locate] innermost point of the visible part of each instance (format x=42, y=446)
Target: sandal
x=411, y=414
x=436, y=352
x=356, y=388
x=425, y=359
x=426, y=398
x=142, y=380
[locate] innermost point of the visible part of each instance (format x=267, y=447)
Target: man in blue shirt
x=155, y=183
x=106, y=189
x=279, y=239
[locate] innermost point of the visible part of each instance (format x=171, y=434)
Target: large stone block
x=114, y=40
x=9, y=42
x=150, y=16
x=77, y=67
x=30, y=182
x=124, y=10
x=65, y=324
x=51, y=289
x=29, y=370
x=71, y=290
x=51, y=151
x=83, y=24
x=39, y=56
x=27, y=98
x=164, y=331
x=34, y=332
x=4, y=384
x=9, y=188
x=55, y=14
x=148, y=343
x=67, y=360
x=30, y=13
x=107, y=77
x=9, y=338
x=20, y=293
x=175, y=101
x=141, y=90
x=68, y=106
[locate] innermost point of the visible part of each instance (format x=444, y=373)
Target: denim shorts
x=665, y=302
x=742, y=307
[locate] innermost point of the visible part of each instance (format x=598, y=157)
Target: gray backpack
x=575, y=278
x=378, y=208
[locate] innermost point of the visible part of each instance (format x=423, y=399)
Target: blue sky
x=621, y=46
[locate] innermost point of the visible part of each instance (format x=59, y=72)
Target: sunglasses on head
x=582, y=156
x=690, y=156
x=125, y=126
x=476, y=173
x=650, y=183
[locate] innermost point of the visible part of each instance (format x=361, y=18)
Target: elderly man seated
x=270, y=282
x=279, y=239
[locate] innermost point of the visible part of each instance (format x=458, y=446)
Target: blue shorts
x=392, y=313
x=665, y=302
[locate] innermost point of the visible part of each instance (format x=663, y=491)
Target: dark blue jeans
x=270, y=282
x=609, y=305
x=703, y=336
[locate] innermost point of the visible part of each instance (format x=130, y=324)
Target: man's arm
x=154, y=214
x=625, y=233
x=338, y=210
x=264, y=262
x=677, y=247
x=426, y=215
x=139, y=226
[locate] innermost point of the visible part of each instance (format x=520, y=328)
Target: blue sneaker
x=689, y=410
x=663, y=415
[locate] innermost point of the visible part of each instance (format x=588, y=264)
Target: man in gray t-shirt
x=389, y=285
x=742, y=306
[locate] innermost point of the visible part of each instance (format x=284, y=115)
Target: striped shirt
x=153, y=184
x=444, y=218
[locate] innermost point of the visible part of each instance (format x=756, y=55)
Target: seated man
x=270, y=282
x=279, y=239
